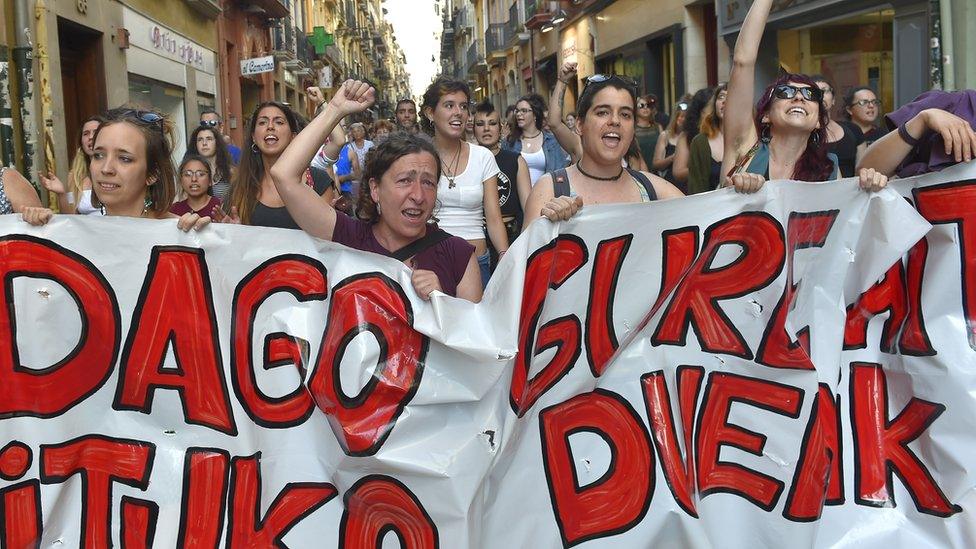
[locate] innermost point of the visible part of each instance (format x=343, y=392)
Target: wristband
x=71, y=197
x=907, y=137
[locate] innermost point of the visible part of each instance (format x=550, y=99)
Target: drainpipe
x=945, y=24
x=23, y=61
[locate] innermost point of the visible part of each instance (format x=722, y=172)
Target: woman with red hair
x=787, y=138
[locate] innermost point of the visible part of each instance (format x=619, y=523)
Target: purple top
x=929, y=155
x=448, y=259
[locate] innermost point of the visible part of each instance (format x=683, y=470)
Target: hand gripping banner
x=791, y=368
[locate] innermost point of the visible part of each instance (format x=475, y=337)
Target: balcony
x=273, y=9
x=283, y=40
x=475, y=57
x=464, y=21
x=512, y=26
x=496, y=39
x=208, y=8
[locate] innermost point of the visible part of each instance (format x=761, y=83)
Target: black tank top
x=508, y=197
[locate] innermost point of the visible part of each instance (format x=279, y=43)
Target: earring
x=254, y=148
x=379, y=211
x=765, y=134
x=146, y=204
x=815, y=137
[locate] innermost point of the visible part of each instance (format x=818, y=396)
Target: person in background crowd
x=406, y=116
x=843, y=140
x=606, y=122
x=508, y=122
x=667, y=142
x=132, y=170
x=206, y=142
x=16, y=193
x=539, y=147
x=381, y=130
x=358, y=146
x=707, y=148
x=401, y=175
x=210, y=118
x=690, y=129
x=648, y=129
x=469, y=126
x=330, y=156
x=468, y=186
x=195, y=188
x=254, y=198
x=929, y=134
x=513, y=179
x=76, y=197
x=862, y=107
x=790, y=122
x=570, y=120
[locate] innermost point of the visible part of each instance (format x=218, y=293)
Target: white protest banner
x=721, y=370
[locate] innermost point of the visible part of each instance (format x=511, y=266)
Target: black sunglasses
x=627, y=81
x=209, y=123
x=786, y=91
x=147, y=117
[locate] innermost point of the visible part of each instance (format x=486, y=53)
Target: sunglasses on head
x=626, y=81
x=209, y=123
x=786, y=91
x=682, y=106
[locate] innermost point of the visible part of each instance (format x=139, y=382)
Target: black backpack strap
x=644, y=181
x=429, y=240
x=560, y=183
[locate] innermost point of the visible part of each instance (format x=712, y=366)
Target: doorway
x=82, y=77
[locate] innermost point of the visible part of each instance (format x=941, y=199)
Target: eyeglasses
x=209, y=123
x=627, y=81
x=786, y=91
x=643, y=105
x=866, y=102
x=195, y=174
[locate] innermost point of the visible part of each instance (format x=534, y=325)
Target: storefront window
x=850, y=52
x=148, y=93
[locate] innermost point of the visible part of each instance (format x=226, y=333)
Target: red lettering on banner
x=202, y=509
x=138, y=523
x=778, y=350
x=900, y=295
x=601, y=338
x=377, y=504
x=547, y=268
x=53, y=390
x=20, y=506
x=618, y=500
x=678, y=471
x=714, y=431
x=176, y=307
x=373, y=303
x=305, y=279
x=296, y=501
x=101, y=462
x=955, y=203
x=819, y=476
x=680, y=248
x=881, y=445
x=696, y=299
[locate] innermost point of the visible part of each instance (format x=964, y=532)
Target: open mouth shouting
x=611, y=140
x=414, y=216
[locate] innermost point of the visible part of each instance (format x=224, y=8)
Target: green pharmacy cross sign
x=320, y=39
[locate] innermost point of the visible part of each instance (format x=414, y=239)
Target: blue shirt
x=556, y=157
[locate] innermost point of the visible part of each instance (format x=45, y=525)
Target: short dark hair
x=379, y=159
x=484, y=107
x=849, y=97
x=437, y=89
x=405, y=100
x=589, y=92
x=210, y=110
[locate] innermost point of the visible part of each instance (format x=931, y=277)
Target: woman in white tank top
x=468, y=187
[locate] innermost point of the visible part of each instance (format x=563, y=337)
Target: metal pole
x=47, y=98
x=945, y=25
x=23, y=60
x=6, y=116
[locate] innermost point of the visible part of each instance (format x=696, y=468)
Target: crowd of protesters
x=449, y=184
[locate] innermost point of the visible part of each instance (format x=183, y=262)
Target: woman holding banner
x=132, y=170
x=399, y=193
x=787, y=139
x=605, y=125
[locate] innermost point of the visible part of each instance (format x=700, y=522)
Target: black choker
x=614, y=178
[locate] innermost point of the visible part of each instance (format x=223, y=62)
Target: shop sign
x=148, y=35
x=257, y=65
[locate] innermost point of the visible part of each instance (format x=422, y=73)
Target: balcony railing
x=304, y=49
x=513, y=23
x=463, y=20
x=497, y=37
x=283, y=39
x=474, y=55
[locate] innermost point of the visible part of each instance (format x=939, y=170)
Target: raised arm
x=887, y=153
x=314, y=214
x=739, y=130
x=566, y=137
x=338, y=137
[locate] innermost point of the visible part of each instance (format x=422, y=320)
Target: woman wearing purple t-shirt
x=397, y=199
